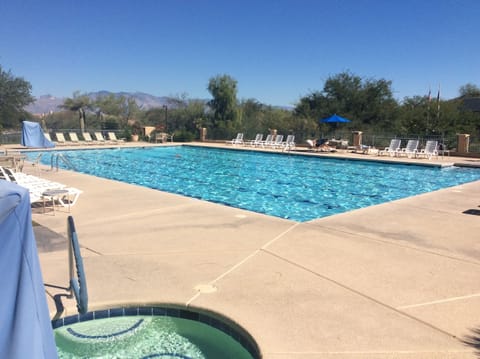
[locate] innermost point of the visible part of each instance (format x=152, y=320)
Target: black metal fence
x=369, y=139
x=376, y=140
x=14, y=137
x=10, y=137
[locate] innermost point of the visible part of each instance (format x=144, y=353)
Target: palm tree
x=78, y=103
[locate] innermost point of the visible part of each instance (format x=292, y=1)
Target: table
x=52, y=195
x=14, y=161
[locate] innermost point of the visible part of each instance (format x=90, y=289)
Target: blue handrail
x=78, y=283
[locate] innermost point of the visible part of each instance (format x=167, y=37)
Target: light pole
x=166, y=118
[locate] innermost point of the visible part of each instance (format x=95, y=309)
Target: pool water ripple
x=298, y=188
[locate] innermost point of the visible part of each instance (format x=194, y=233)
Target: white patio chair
x=289, y=143
x=74, y=138
x=113, y=138
x=277, y=143
x=410, y=149
x=430, y=150
x=38, y=187
x=392, y=150
x=257, y=141
x=238, y=140
x=268, y=141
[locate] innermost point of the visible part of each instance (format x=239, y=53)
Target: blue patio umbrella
x=334, y=119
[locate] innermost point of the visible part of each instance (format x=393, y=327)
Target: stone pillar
x=463, y=142
x=357, y=138
x=203, y=134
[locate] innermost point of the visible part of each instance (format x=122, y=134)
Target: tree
x=60, y=120
x=113, y=110
x=343, y=92
x=110, y=105
x=252, y=114
x=378, y=108
x=223, y=89
x=130, y=108
x=79, y=102
x=14, y=96
x=469, y=90
x=414, y=115
x=188, y=117
x=368, y=103
x=109, y=110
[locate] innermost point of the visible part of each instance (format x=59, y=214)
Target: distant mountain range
x=45, y=104
x=49, y=103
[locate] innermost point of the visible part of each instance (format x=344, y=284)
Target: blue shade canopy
x=33, y=136
x=25, y=329
x=334, y=119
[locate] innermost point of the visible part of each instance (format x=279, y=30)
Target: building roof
x=472, y=104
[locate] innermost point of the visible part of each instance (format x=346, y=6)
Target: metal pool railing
x=56, y=157
x=78, y=281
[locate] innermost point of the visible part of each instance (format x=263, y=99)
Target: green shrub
x=183, y=136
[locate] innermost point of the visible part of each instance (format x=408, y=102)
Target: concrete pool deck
x=396, y=280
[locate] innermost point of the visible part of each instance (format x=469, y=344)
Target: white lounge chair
x=238, y=140
x=257, y=141
x=74, y=138
x=47, y=136
x=88, y=138
x=277, y=143
x=99, y=137
x=38, y=187
x=430, y=150
x=61, y=139
x=113, y=138
x=57, y=143
x=392, y=150
x=410, y=149
x=6, y=174
x=289, y=143
x=268, y=141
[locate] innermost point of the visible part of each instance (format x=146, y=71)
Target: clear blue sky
x=278, y=51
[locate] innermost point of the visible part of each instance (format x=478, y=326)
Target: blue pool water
x=299, y=188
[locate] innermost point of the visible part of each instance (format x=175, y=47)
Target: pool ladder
x=57, y=157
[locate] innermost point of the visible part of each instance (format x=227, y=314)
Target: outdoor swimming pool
x=298, y=188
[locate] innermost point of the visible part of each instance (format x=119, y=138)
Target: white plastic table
x=52, y=195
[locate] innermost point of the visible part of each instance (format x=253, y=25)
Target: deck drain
x=474, y=212
x=205, y=288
